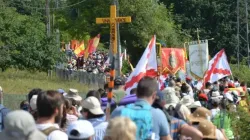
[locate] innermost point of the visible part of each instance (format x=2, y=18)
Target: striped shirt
x=100, y=126
x=175, y=126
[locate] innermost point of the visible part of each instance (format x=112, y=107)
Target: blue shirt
x=160, y=123
x=100, y=126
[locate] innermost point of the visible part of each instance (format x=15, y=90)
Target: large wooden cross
x=113, y=20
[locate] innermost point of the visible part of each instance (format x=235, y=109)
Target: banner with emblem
x=198, y=58
x=173, y=59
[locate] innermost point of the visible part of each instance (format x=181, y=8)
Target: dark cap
x=119, y=81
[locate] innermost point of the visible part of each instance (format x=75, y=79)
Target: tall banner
x=198, y=58
x=173, y=59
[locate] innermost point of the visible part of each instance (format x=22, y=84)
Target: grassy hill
x=21, y=82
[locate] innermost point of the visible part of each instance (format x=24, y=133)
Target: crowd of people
x=94, y=63
x=179, y=112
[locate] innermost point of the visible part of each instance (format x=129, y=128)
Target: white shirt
x=55, y=135
x=214, y=112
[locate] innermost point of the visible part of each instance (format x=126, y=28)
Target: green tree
x=148, y=18
x=24, y=40
x=216, y=19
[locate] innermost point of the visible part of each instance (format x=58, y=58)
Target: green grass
x=15, y=81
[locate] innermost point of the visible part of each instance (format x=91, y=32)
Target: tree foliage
x=148, y=18
x=23, y=42
x=216, y=19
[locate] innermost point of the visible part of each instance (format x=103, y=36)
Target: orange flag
x=173, y=59
x=93, y=43
x=79, y=50
x=73, y=44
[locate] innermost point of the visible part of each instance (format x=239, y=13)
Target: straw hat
x=199, y=115
x=207, y=129
x=187, y=100
x=73, y=94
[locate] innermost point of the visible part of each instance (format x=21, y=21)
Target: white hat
x=83, y=127
x=93, y=105
x=195, y=104
x=73, y=94
x=171, y=100
x=187, y=100
x=229, y=96
x=216, y=95
x=20, y=125
x=33, y=102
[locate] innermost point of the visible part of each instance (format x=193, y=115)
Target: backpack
x=141, y=115
x=1, y=117
x=49, y=130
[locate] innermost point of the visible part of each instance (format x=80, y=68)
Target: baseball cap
x=33, y=102
x=20, y=125
x=80, y=129
x=93, y=105
x=119, y=81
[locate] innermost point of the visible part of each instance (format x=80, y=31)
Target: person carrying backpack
x=3, y=111
x=50, y=112
x=151, y=123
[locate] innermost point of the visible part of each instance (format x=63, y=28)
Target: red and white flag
x=147, y=66
x=161, y=81
x=218, y=68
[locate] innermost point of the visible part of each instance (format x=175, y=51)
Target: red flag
x=93, y=43
x=173, y=59
x=147, y=66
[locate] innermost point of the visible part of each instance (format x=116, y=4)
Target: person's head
x=20, y=125
x=171, y=83
x=200, y=114
x=119, y=83
x=178, y=80
x=133, y=91
x=94, y=93
x=147, y=89
x=208, y=85
x=215, y=103
x=243, y=84
x=50, y=105
x=92, y=108
x=80, y=130
x=102, y=92
x=34, y=91
x=121, y=128
x=24, y=105
x=184, y=88
x=67, y=104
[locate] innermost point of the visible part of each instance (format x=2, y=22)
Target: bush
x=243, y=73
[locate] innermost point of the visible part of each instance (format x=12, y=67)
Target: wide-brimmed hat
x=73, y=94
x=20, y=125
x=216, y=95
x=200, y=114
x=171, y=100
x=187, y=100
x=207, y=129
x=93, y=105
x=195, y=104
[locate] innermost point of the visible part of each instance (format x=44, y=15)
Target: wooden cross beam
x=113, y=20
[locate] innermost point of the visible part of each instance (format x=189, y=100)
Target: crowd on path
x=179, y=112
x=94, y=63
